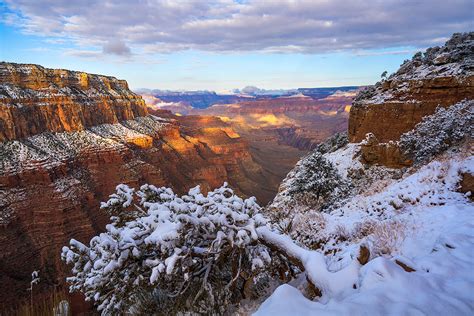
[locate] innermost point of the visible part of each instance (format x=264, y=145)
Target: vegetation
x=438, y=132
x=194, y=253
x=317, y=179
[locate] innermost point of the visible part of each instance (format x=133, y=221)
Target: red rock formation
x=442, y=76
x=467, y=184
x=387, y=154
x=34, y=99
x=301, y=122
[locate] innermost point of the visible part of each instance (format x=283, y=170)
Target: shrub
x=439, y=131
x=193, y=247
x=317, y=181
x=387, y=237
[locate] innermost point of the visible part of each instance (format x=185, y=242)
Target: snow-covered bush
x=189, y=254
x=193, y=247
x=305, y=228
x=439, y=131
x=317, y=181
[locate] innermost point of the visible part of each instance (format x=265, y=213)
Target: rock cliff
x=34, y=99
x=67, y=139
x=441, y=76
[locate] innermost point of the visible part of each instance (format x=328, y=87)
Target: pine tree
x=317, y=178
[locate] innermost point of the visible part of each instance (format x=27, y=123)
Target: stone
x=443, y=77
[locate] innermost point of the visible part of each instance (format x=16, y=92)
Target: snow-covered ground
x=420, y=221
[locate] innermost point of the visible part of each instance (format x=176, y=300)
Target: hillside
x=362, y=223
x=407, y=199
x=358, y=227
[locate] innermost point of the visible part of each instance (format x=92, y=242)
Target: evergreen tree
x=317, y=178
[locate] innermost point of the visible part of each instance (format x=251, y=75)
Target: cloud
x=88, y=54
x=116, y=47
x=382, y=53
x=284, y=26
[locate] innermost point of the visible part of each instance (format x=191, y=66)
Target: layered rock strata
x=34, y=99
x=441, y=76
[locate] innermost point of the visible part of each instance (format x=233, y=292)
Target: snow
x=435, y=236
x=177, y=227
x=454, y=59
x=51, y=149
x=343, y=160
x=97, y=86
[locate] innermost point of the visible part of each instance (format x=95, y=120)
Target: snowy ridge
x=55, y=83
x=454, y=59
x=51, y=149
x=420, y=221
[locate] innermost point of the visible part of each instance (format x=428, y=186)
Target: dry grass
x=42, y=306
x=387, y=237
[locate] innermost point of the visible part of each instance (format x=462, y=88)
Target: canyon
x=298, y=120
x=68, y=138
x=280, y=129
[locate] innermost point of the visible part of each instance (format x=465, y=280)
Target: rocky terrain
x=399, y=185
x=279, y=129
x=35, y=100
x=187, y=100
x=441, y=76
x=68, y=138
x=429, y=97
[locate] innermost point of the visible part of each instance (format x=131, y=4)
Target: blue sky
x=226, y=45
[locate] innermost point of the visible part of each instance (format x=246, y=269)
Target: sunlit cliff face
x=271, y=119
x=225, y=119
x=142, y=141
x=328, y=113
x=258, y=120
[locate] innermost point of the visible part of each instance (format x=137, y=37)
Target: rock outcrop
x=388, y=154
x=467, y=184
x=67, y=139
x=34, y=99
x=442, y=76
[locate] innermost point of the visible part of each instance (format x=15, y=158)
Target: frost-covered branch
x=330, y=284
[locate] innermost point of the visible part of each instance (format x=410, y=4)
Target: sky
x=226, y=44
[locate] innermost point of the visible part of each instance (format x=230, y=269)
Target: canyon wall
x=439, y=77
x=442, y=76
x=297, y=121
x=34, y=99
x=67, y=139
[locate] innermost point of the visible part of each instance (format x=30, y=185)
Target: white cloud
x=312, y=26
